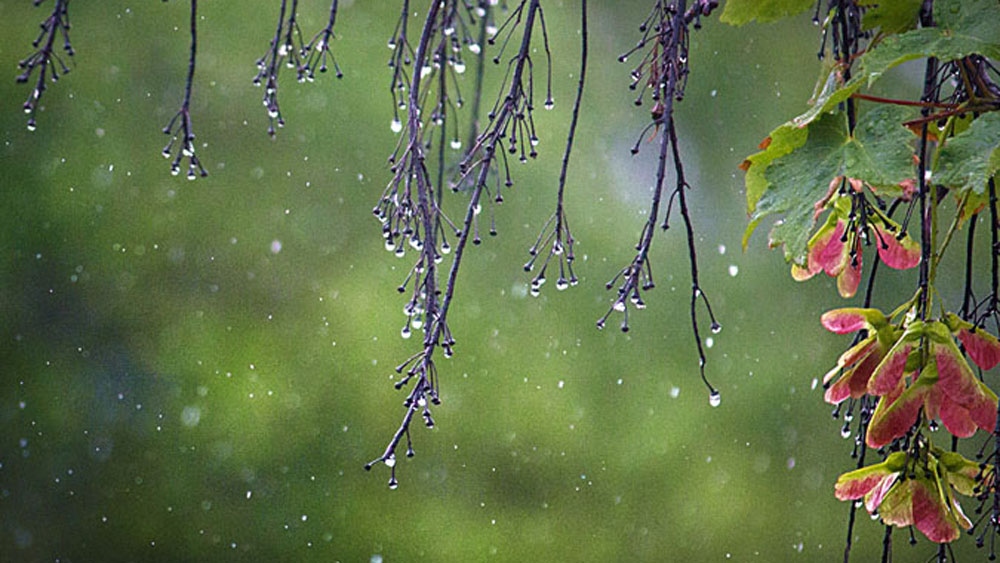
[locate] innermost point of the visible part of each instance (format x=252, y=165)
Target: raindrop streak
x=714, y=398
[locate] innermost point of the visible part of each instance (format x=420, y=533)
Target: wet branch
x=179, y=128
x=46, y=58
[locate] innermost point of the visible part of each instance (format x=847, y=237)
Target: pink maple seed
x=886, y=376
x=982, y=347
x=956, y=419
x=893, y=417
x=856, y=484
x=900, y=254
x=827, y=251
x=958, y=383
x=850, y=277
x=931, y=516
x=852, y=319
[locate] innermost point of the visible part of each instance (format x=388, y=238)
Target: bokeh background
x=198, y=371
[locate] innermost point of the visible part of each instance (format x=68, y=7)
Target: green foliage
x=896, y=16
x=798, y=182
x=963, y=27
x=971, y=158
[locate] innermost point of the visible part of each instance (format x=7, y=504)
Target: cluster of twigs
x=426, y=91
x=662, y=73
x=45, y=59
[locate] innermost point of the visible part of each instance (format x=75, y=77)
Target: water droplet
x=390, y=461
x=405, y=333
x=675, y=392
x=716, y=328
x=562, y=284
x=475, y=49
x=714, y=398
x=456, y=144
x=619, y=306
x=709, y=342
x=845, y=432
x=396, y=126
x=459, y=67
x=549, y=103
x=734, y=270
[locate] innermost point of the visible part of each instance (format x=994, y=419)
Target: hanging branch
x=405, y=221
x=419, y=222
x=663, y=70
x=57, y=24
x=511, y=128
x=314, y=54
x=179, y=128
x=283, y=45
x=559, y=240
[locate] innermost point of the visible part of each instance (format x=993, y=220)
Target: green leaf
x=964, y=27
x=968, y=160
x=739, y=12
x=780, y=142
x=879, y=154
x=896, y=16
x=829, y=97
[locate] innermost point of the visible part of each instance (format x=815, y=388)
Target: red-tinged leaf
x=894, y=417
x=957, y=382
x=896, y=507
x=854, y=383
x=982, y=347
x=801, y=274
x=847, y=320
x=930, y=515
x=827, y=251
x=955, y=417
x=849, y=279
x=900, y=254
x=877, y=494
x=889, y=372
x=856, y=484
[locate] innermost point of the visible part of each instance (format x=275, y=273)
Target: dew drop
x=456, y=144
x=390, y=461
x=734, y=270
x=714, y=398
x=396, y=126
x=716, y=328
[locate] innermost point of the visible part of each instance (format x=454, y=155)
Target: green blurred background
x=198, y=371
